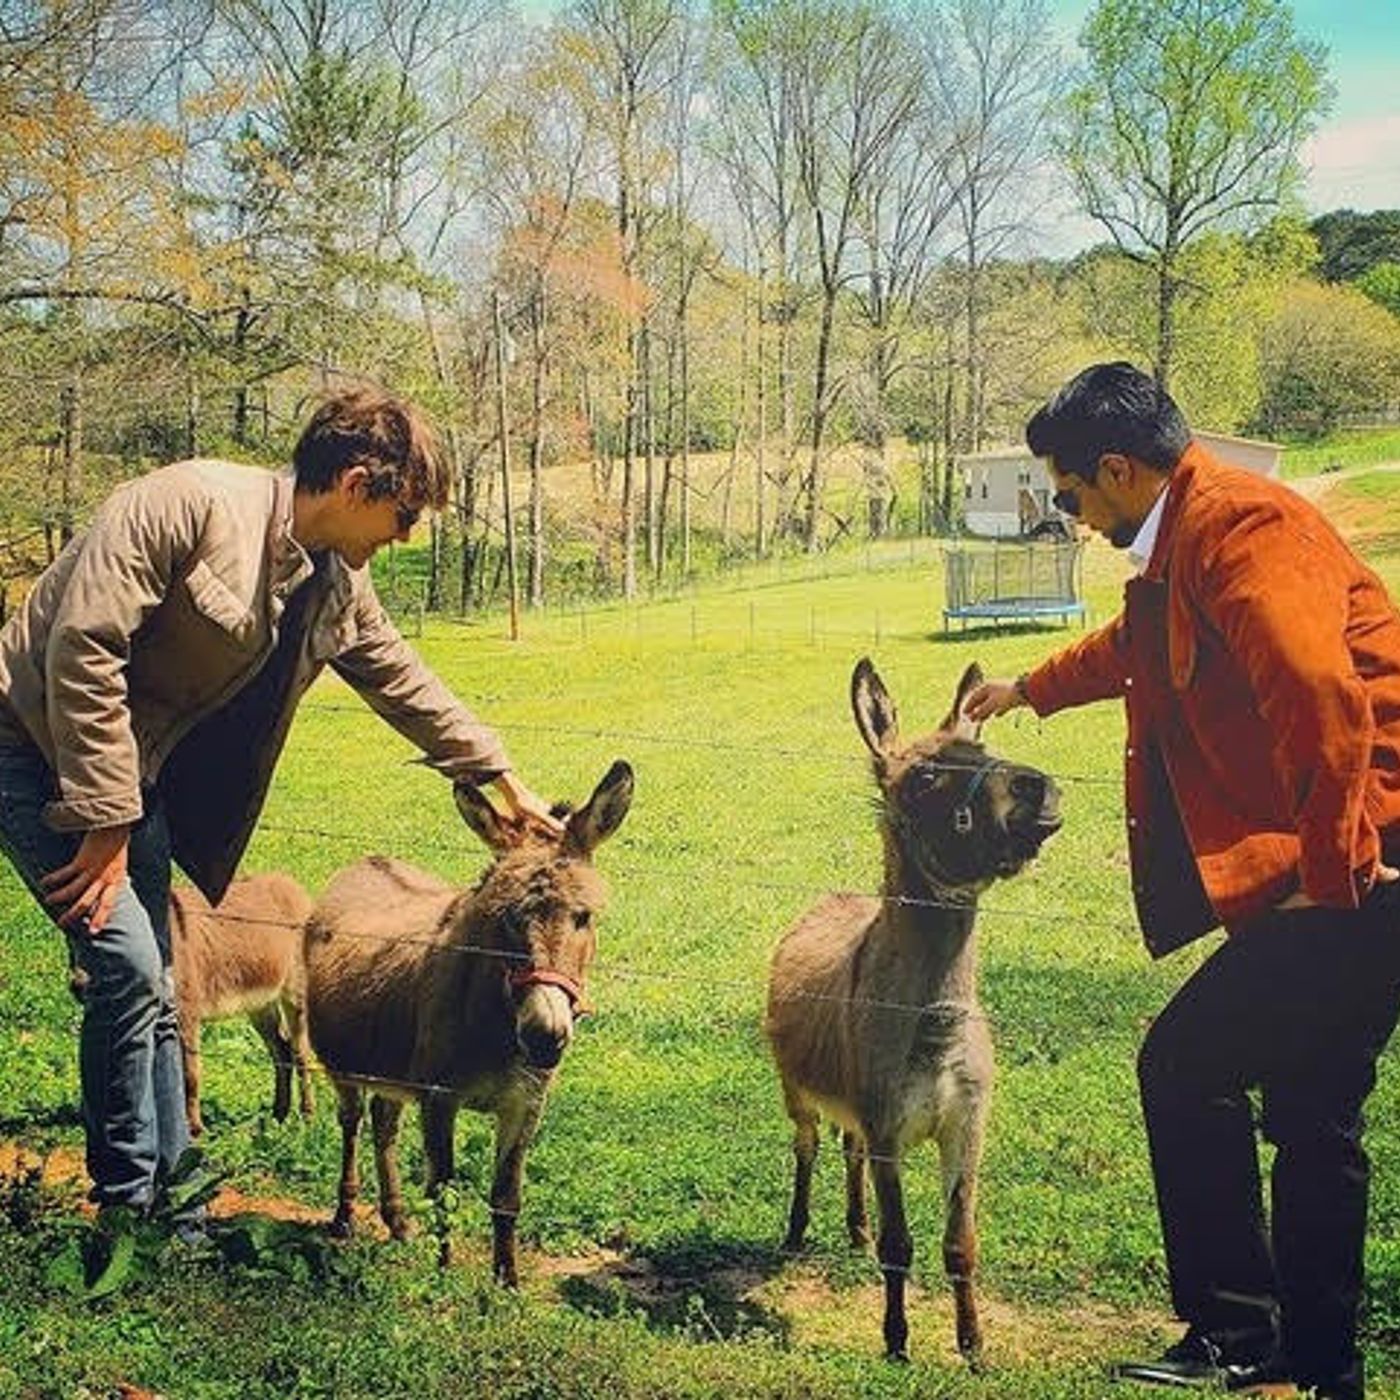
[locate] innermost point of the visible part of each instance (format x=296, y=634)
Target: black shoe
x=1197, y=1362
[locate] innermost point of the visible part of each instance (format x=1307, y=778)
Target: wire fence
x=742, y=873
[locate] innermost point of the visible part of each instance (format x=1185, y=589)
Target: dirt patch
x=791, y=1298
x=64, y=1167
x=57, y=1166
x=807, y=1310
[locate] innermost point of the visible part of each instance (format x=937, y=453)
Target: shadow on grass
x=989, y=632
x=703, y=1288
x=63, y=1115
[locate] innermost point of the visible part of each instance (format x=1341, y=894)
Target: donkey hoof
x=794, y=1244
x=899, y=1355
x=342, y=1226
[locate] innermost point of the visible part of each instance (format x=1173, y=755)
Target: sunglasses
x=1067, y=502
x=406, y=516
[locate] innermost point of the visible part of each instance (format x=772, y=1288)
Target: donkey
x=244, y=955
x=872, y=1002
x=421, y=990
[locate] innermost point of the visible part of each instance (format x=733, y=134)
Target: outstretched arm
x=400, y=687
x=993, y=698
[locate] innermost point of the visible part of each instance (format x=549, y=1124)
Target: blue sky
x=1354, y=160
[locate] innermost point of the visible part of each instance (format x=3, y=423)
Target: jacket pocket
x=215, y=600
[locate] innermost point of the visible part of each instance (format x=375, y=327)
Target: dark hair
x=389, y=437
x=1109, y=408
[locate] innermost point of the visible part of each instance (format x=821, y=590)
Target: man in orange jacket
x=1259, y=662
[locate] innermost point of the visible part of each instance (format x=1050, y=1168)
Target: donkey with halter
x=872, y=1002
x=420, y=990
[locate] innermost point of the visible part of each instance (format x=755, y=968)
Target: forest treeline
x=711, y=280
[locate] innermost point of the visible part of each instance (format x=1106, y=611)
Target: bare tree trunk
x=685, y=436
x=70, y=430
x=503, y=434
x=192, y=410
x=816, y=484
x=242, y=327
x=760, y=465
x=537, y=397
x=452, y=436
x=972, y=417
x=1166, y=315
x=629, y=504
x=668, y=460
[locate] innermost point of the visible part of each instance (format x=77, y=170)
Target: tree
x=90, y=214
x=857, y=91
x=1328, y=352
x=1188, y=117
x=1351, y=243
x=1381, y=282
x=623, y=50
x=996, y=75
x=754, y=92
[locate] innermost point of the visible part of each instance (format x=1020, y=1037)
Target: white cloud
x=1355, y=164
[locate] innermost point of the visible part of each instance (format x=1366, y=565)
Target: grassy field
x=655, y=1195
x=1351, y=447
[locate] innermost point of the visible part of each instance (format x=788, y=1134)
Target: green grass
x=1379, y=488
x=1354, y=447
x=656, y=1193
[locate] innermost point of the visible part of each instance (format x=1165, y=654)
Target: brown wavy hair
x=388, y=436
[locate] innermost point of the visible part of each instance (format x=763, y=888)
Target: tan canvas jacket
x=161, y=612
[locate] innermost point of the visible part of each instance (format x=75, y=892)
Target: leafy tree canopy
x=1353, y=243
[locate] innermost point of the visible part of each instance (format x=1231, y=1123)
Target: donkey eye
x=581, y=918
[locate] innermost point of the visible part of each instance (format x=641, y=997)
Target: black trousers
x=1298, y=1005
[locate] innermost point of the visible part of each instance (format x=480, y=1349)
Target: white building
x=1007, y=491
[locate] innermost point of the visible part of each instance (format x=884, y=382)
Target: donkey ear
x=478, y=813
x=602, y=814
x=957, y=724
x=874, y=710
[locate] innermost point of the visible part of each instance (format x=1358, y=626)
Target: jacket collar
x=289, y=563
x=1183, y=481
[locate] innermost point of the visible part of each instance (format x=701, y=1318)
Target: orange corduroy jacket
x=1259, y=660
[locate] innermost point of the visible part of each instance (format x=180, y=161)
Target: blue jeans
x=129, y=1049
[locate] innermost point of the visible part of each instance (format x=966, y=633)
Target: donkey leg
x=193, y=1065
x=895, y=1247
x=437, y=1115
x=385, y=1114
x=351, y=1110
x=268, y=1024
x=960, y=1152
x=516, y=1122
x=804, y=1148
x=857, y=1220
x=294, y=1026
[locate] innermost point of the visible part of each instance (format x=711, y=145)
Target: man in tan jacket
x=146, y=688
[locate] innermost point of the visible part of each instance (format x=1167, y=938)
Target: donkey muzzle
x=547, y=1005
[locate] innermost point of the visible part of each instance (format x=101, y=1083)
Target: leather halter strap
x=962, y=813
x=523, y=978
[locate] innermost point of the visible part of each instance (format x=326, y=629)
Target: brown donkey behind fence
x=422, y=990
x=872, y=1003
x=244, y=957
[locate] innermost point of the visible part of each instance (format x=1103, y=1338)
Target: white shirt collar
x=1145, y=541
